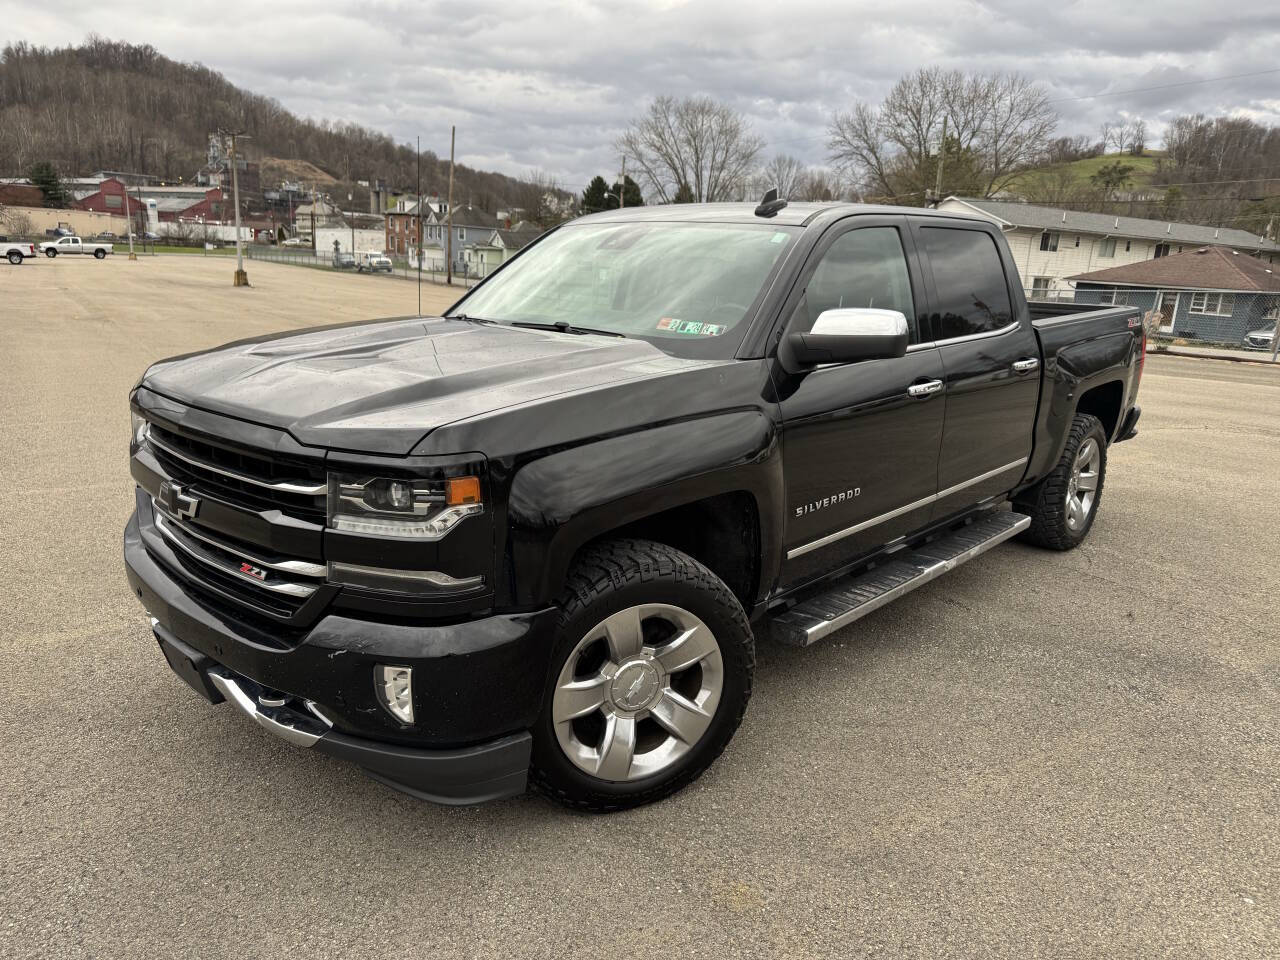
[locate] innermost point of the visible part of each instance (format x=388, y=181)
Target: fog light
x=395, y=690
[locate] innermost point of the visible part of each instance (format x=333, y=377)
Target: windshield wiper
x=564, y=327
x=470, y=319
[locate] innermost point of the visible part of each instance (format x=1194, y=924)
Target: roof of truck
x=793, y=214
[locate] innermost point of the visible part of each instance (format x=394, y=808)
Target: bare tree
x=17, y=222
x=1139, y=144
x=998, y=125
x=694, y=143
x=783, y=172
x=1107, y=132
x=820, y=184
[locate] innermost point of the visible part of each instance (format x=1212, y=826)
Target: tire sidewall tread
x=1047, y=502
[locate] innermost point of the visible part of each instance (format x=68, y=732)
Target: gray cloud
x=549, y=85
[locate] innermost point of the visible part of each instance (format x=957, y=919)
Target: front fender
x=562, y=501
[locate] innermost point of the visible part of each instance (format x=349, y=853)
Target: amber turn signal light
x=460, y=490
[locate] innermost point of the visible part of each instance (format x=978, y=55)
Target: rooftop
x=1208, y=268
x=1051, y=218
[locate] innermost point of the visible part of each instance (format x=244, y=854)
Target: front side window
x=686, y=287
x=973, y=296
x=862, y=268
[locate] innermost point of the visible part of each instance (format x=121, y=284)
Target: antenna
x=770, y=204
x=419, y=223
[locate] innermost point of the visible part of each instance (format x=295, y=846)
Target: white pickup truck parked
x=16, y=251
x=53, y=248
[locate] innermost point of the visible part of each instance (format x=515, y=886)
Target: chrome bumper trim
x=285, y=724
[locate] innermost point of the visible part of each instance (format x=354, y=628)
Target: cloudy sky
x=548, y=86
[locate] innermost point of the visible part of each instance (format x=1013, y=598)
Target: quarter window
x=973, y=296
x=862, y=268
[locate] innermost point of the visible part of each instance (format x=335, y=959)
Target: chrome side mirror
x=846, y=335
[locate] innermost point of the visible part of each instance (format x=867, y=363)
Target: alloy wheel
x=637, y=692
x=1082, y=488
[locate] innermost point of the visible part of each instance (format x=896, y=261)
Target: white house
x=1050, y=245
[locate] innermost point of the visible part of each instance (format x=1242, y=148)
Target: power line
x=1164, y=86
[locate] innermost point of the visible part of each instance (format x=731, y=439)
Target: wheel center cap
x=635, y=686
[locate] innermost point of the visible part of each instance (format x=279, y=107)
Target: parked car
x=15, y=251
x=150, y=237
x=344, y=261
x=295, y=242
x=375, y=263
x=105, y=235
x=1260, y=339
x=535, y=540
x=74, y=245
x=59, y=231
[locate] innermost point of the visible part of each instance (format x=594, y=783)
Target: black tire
x=1047, y=503
x=51, y=253
x=15, y=258
x=99, y=254
x=612, y=577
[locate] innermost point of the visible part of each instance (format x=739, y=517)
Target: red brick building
x=173, y=203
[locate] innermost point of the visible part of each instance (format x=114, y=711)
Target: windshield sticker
x=691, y=328
x=778, y=238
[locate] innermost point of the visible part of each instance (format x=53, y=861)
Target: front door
x=990, y=362
x=1167, y=304
x=860, y=453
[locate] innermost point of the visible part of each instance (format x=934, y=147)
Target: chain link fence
x=433, y=271
x=1188, y=318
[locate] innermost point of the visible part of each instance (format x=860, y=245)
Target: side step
x=852, y=599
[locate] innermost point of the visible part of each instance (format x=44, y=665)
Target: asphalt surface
x=1039, y=755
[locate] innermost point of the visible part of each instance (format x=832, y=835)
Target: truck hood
x=382, y=387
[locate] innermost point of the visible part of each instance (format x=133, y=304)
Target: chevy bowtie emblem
x=174, y=499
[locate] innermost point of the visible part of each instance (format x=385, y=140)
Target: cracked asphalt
x=1039, y=755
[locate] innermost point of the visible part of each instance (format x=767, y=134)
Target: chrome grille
x=277, y=586
x=292, y=486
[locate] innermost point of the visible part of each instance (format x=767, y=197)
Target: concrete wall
x=85, y=223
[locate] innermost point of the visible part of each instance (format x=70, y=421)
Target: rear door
x=990, y=361
x=860, y=452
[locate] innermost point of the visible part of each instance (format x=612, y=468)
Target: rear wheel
x=15, y=258
x=1062, y=506
x=650, y=678
x=99, y=254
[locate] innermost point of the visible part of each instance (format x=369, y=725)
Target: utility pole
x=942, y=155
x=313, y=219
x=351, y=214
x=448, y=277
x=419, y=225
x=128, y=223
x=622, y=184
x=241, y=278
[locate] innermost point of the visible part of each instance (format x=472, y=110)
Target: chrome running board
x=852, y=599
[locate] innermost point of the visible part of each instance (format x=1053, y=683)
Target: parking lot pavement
x=1041, y=754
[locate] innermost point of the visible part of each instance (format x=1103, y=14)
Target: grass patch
x=1144, y=169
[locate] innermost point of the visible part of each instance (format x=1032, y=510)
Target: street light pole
x=241, y=278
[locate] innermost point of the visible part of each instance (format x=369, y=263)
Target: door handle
x=1025, y=366
x=923, y=390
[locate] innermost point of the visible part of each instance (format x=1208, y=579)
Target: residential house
x=1049, y=245
x=1206, y=293
x=485, y=255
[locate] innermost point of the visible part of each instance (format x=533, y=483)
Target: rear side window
x=972, y=294
x=862, y=268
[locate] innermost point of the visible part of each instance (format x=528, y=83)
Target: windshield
x=687, y=287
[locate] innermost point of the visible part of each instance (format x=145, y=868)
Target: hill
x=1078, y=172
x=119, y=106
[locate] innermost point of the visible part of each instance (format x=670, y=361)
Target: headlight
x=401, y=507
x=139, y=428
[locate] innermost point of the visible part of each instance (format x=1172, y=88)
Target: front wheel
x=650, y=678
x=1063, y=505
x=15, y=258
x=51, y=253
x=99, y=254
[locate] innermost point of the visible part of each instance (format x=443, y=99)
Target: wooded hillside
x=119, y=106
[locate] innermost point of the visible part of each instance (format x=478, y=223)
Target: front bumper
x=477, y=684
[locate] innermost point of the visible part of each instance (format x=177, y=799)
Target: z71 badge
x=816, y=505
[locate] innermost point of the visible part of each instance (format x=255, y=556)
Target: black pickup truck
x=535, y=540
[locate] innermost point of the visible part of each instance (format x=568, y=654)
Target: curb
x=1264, y=360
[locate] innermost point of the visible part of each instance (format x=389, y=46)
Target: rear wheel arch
x=1105, y=402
